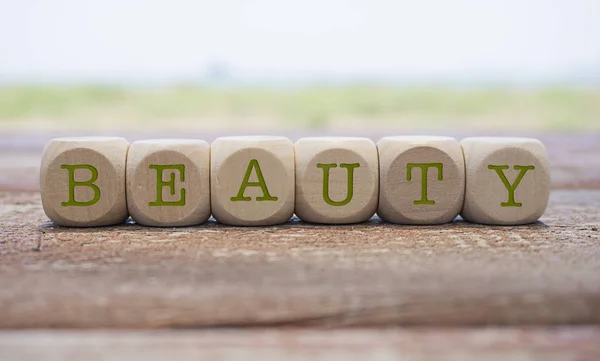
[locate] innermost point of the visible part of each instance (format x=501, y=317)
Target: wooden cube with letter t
x=337, y=179
x=168, y=182
x=82, y=181
x=507, y=180
x=252, y=180
x=422, y=179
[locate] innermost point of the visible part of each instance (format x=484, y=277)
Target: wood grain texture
x=252, y=180
x=337, y=179
x=301, y=274
x=421, y=179
x=168, y=182
x=82, y=181
x=412, y=344
x=507, y=180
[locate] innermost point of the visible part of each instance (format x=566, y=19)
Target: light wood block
x=252, y=180
x=168, y=182
x=82, y=181
x=507, y=180
x=421, y=179
x=337, y=179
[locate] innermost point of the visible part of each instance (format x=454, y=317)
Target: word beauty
x=259, y=181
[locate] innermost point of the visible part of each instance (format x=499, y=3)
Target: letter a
x=89, y=183
x=511, y=188
x=350, y=190
x=260, y=183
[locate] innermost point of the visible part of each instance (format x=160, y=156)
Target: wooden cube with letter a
x=82, y=181
x=422, y=179
x=168, y=182
x=337, y=179
x=507, y=180
x=252, y=180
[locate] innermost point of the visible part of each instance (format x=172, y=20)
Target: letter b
x=82, y=181
x=88, y=183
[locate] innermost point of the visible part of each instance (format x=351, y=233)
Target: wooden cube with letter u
x=252, y=180
x=337, y=179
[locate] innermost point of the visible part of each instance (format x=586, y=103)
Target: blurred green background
x=237, y=65
x=95, y=107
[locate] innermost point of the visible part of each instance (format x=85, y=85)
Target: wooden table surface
x=448, y=283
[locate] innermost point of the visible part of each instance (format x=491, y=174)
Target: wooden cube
x=337, y=179
x=507, y=180
x=168, y=182
x=82, y=181
x=252, y=180
x=421, y=179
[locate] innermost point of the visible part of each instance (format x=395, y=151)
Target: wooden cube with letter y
x=422, y=179
x=507, y=180
x=337, y=179
x=82, y=181
x=168, y=182
x=252, y=180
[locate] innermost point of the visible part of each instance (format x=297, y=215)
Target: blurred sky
x=147, y=41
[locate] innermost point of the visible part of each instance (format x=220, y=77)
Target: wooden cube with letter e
x=168, y=182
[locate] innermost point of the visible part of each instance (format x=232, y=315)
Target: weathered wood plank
x=300, y=274
x=423, y=344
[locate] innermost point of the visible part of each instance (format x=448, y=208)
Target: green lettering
x=424, y=170
x=350, y=189
x=511, y=188
x=89, y=183
x=253, y=164
x=160, y=184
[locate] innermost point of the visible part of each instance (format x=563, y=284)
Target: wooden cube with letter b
x=337, y=179
x=507, y=180
x=422, y=179
x=82, y=181
x=168, y=182
x=252, y=180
